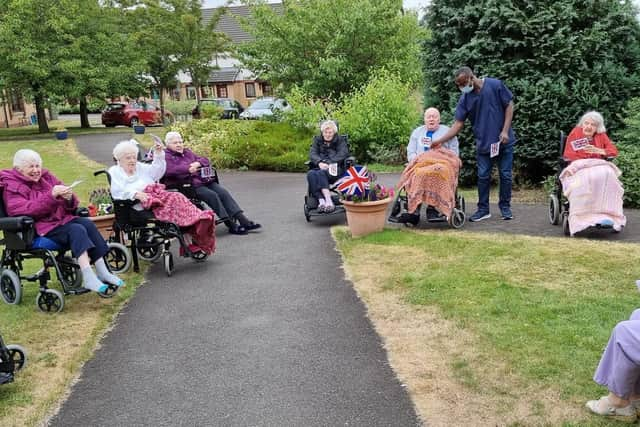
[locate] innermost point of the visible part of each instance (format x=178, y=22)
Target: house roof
x=229, y=24
x=226, y=74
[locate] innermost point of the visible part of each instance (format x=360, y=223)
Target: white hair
x=170, y=136
x=25, y=156
x=123, y=148
x=596, y=117
x=328, y=124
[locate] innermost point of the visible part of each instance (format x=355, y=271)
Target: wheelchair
x=400, y=207
x=311, y=201
x=558, y=204
x=147, y=237
x=21, y=243
x=12, y=359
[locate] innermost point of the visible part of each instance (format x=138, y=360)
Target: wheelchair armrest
x=349, y=161
x=81, y=211
x=609, y=159
x=310, y=164
x=16, y=223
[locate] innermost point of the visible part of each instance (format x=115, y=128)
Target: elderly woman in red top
x=590, y=182
x=589, y=140
x=183, y=167
x=28, y=189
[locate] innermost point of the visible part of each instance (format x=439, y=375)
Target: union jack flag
x=355, y=181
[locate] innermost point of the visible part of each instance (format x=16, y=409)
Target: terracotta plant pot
x=366, y=217
x=104, y=223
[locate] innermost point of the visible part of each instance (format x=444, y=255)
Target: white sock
x=90, y=281
x=321, y=202
x=328, y=201
x=105, y=275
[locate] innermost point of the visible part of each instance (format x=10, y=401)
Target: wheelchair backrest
x=19, y=232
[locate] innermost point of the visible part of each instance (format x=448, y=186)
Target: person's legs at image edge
x=505, y=167
x=484, y=187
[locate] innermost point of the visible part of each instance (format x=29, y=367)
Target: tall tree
x=158, y=34
x=560, y=58
x=106, y=60
x=200, y=44
x=36, y=40
x=330, y=47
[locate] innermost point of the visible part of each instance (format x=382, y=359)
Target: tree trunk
x=43, y=127
x=162, y=103
x=84, y=113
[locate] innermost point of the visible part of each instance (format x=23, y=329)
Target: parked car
x=231, y=108
x=131, y=114
x=265, y=107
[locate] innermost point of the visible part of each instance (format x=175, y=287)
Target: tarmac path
x=266, y=332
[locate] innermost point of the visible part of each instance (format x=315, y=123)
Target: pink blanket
x=171, y=206
x=594, y=193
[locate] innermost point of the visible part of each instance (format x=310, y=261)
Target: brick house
x=14, y=110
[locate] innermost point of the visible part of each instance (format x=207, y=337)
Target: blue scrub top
x=485, y=111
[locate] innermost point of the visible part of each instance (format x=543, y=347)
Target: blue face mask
x=467, y=89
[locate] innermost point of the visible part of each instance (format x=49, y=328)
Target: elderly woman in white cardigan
x=130, y=177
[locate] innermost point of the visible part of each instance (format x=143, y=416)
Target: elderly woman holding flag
x=327, y=157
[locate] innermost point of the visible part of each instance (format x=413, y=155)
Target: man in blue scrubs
x=488, y=104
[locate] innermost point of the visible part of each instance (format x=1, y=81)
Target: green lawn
x=57, y=344
x=542, y=307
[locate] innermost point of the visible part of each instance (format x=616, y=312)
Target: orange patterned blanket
x=432, y=178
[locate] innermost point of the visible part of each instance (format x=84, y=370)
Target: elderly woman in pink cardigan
x=28, y=189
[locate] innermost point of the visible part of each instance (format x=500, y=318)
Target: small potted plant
x=366, y=202
x=101, y=210
x=138, y=128
x=61, y=134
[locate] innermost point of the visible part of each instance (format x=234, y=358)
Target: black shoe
x=238, y=229
x=407, y=218
x=252, y=226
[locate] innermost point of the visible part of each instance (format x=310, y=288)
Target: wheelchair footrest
x=6, y=378
x=78, y=291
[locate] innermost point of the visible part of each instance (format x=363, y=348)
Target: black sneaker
x=479, y=216
x=506, y=214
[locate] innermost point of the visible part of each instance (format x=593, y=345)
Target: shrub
x=306, y=112
x=181, y=109
x=209, y=111
x=628, y=160
x=379, y=118
x=252, y=144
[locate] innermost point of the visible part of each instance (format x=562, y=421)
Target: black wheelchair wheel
x=461, y=204
x=17, y=355
x=168, y=263
x=150, y=253
x=554, y=209
x=10, y=287
x=565, y=224
x=71, y=275
x=118, y=258
x=306, y=213
x=50, y=301
x=457, y=218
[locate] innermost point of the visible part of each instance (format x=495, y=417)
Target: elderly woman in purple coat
x=619, y=371
x=183, y=167
x=28, y=189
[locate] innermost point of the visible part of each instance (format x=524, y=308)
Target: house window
x=250, y=90
x=206, y=91
x=175, y=94
x=222, y=91
x=267, y=90
x=191, y=92
x=17, y=101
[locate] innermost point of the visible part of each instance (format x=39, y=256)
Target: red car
x=121, y=113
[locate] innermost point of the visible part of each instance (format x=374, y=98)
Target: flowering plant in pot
x=100, y=202
x=366, y=208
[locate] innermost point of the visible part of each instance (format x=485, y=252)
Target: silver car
x=264, y=107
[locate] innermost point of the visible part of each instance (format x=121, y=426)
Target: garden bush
x=629, y=153
x=306, y=111
x=180, y=109
x=379, y=119
x=250, y=144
